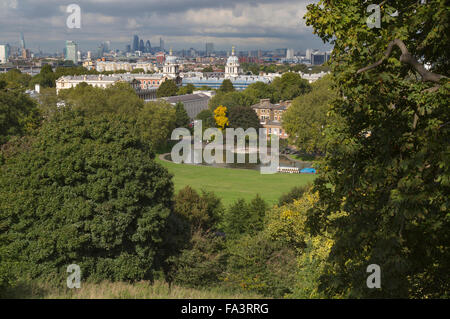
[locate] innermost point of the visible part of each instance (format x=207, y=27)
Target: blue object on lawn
x=308, y=171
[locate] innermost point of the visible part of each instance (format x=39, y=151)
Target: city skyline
x=183, y=24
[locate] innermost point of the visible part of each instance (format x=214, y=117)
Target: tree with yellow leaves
x=220, y=116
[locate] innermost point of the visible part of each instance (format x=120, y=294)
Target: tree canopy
x=387, y=160
x=86, y=192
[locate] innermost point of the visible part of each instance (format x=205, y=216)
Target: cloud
x=249, y=24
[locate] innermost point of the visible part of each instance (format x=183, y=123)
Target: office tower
x=107, y=46
x=161, y=44
x=141, y=45
x=4, y=53
x=209, y=49
x=308, y=54
x=128, y=48
x=71, y=51
x=148, y=47
x=290, y=54
x=135, y=43
x=89, y=55
x=22, y=41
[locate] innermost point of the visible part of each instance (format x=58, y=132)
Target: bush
x=201, y=211
x=261, y=265
x=244, y=218
x=87, y=192
x=203, y=263
x=295, y=193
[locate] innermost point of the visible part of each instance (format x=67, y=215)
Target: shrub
x=203, y=263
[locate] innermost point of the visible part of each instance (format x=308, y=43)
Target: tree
x=306, y=120
x=19, y=114
x=202, y=211
x=243, y=117
x=208, y=69
x=207, y=118
x=156, y=121
x=182, y=118
x=119, y=98
x=220, y=116
x=244, y=218
x=167, y=88
x=188, y=89
x=232, y=99
x=295, y=193
x=138, y=71
x=289, y=86
x=386, y=162
x=226, y=86
x=45, y=78
x=87, y=192
x=15, y=78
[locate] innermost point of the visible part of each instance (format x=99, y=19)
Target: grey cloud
x=42, y=22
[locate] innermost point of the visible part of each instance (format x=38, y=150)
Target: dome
x=171, y=59
x=232, y=60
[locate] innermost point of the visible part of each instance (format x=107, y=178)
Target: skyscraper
x=209, y=48
x=148, y=46
x=71, y=51
x=141, y=45
x=22, y=41
x=161, y=44
x=290, y=54
x=135, y=46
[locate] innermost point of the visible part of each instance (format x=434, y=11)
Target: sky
x=246, y=24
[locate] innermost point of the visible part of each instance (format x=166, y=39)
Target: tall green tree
x=289, y=86
x=19, y=114
x=87, y=192
x=308, y=117
x=387, y=162
x=182, y=118
x=167, y=88
x=226, y=86
x=243, y=117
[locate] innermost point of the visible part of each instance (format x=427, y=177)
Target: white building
x=140, y=82
x=102, y=66
x=171, y=67
x=311, y=78
x=4, y=53
x=232, y=68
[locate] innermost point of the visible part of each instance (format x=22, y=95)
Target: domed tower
x=233, y=68
x=171, y=67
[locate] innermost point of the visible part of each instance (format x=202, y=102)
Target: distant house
x=271, y=115
x=193, y=103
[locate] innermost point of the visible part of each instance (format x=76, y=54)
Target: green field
x=232, y=184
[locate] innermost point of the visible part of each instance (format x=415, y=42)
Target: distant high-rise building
x=161, y=44
x=22, y=41
x=128, y=48
x=135, y=43
x=209, y=49
x=4, y=53
x=107, y=46
x=148, y=46
x=290, y=54
x=71, y=51
x=141, y=46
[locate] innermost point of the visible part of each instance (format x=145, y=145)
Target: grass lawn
x=232, y=184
